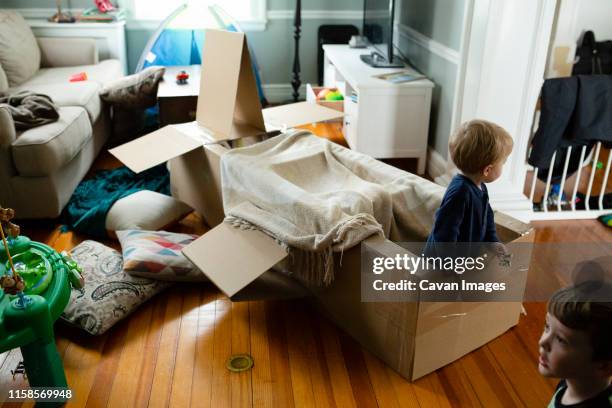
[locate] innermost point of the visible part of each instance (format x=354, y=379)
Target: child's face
x=493, y=171
x=565, y=352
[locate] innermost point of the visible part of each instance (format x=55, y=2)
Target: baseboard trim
x=279, y=93
x=449, y=54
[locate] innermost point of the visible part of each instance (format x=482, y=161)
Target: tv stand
x=375, y=60
x=381, y=119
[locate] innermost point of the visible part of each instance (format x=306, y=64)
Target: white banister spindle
x=547, y=189
x=573, y=202
x=592, y=177
x=556, y=211
x=567, y=158
x=604, y=182
x=533, y=183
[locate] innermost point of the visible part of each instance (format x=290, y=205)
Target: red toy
x=104, y=5
x=81, y=76
x=182, y=77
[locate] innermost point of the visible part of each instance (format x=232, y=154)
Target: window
x=250, y=14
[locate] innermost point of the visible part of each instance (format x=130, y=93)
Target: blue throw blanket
x=86, y=211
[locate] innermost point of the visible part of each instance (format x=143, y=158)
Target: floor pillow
x=134, y=91
x=109, y=293
x=144, y=210
x=157, y=255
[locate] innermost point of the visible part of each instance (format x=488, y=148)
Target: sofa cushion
x=102, y=73
x=42, y=150
x=3, y=80
x=19, y=52
x=84, y=94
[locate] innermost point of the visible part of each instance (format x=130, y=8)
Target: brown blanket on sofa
x=29, y=109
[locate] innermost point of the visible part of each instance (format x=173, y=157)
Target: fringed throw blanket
x=29, y=109
x=316, y=197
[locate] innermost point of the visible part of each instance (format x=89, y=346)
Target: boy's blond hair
x=477, y=144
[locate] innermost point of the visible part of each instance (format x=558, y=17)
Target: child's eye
x=561, y=340
x=546, y=327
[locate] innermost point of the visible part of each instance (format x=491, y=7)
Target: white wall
x=574, y=17
x=430, y=33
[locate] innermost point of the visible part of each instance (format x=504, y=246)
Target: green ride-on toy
x=35, y=285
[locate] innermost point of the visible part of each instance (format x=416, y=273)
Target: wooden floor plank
x=132, y=360
x=81, y=361
x=182, y=380
x=300, y=347
x=328, y=336
x=150, y=350
x=203, y=364
x=241, y=344
x=404, y=390
x=361, y=386
x=521, y=372
x=222, y=346
x=107, y=369
x=381, y=384
x=280, y=369
x=261, y=376
x=164, y=368
x=430, y=392
x=457, y=386
x=491, y=386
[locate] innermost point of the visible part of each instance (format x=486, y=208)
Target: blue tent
x=179, y=38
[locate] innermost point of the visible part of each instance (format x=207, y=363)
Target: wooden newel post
x=297, y=23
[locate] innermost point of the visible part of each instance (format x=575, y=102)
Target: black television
x=378, y=30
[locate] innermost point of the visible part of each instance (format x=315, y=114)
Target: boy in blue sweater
x=479, y=149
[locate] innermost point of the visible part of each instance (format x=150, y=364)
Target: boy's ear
x=487, y=170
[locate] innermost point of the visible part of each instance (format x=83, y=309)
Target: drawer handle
x=192, y=114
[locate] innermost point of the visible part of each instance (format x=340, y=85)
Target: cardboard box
x=413, y=338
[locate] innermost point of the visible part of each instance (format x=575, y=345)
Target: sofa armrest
x=67, y=52
x=8, y=135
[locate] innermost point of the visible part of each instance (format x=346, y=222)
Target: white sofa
x=41, y=167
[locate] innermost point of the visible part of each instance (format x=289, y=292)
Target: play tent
x=178, y=39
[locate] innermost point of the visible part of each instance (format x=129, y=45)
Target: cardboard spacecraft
x=414, y=338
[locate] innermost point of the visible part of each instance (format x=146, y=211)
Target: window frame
x=258, y=21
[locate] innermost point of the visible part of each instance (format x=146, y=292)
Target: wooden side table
x=177, y=103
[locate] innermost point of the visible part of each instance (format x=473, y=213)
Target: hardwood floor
x=172, y=351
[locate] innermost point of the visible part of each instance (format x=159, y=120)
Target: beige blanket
x=316, y=197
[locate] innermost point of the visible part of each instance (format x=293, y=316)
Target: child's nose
x=543, y=342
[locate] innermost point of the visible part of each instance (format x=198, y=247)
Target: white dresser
x=382, y=119
x=110, y=37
